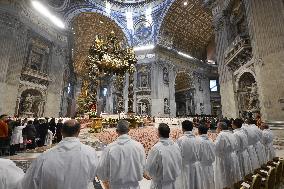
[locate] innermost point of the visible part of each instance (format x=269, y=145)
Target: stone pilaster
x=13, y=38
x=229, y=108
x=265, y=21
x=55, y=89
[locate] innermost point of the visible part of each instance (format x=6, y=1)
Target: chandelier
x=107, y=56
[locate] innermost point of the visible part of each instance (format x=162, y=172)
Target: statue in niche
x=253, y=98
x=144, y=81
x=165, y=75
x=166, y=106
x=202, y=108
x=36, y=61
x=144, y=109
x=28, y=103
x=190, y=102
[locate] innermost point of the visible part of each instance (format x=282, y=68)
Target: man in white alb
x=259, y=147
x=68, y=165
x=122, y=162
x=227, y=170
x=242, y=148
x=190, y=177
x=252, y=140
x=206, y=155
x=10, y=174
x=267, y=140
x=164, y=162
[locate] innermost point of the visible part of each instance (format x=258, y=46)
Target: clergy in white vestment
x=122, y=162
x=68, y=165
x=267, y=140
x=227, y=170
x=252, y=140
x=259, y=147
x=164, y=162
x=48, y=138
x=242, y=148
x=17, y=135
x=10, y=174
x=206, y=155
x=191, y=171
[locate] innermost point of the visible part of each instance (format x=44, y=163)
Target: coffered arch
x=188, y=24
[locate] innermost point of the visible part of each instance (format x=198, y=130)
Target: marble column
x=265, y=22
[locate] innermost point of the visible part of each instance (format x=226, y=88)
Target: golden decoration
x=107, y=56
x=189, y=26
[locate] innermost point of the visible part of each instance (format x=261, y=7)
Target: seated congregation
x=242, y=158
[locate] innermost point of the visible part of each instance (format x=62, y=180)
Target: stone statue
x=202, y=108
x=253, y=97
x=28, y=103
x=166, y=106
x=165, y=75
x=144, y=82
x=144, y=109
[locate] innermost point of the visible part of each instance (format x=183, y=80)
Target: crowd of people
x=193, y=161
x=147, y=136
x=20, y=134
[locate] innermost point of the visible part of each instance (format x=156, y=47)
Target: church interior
x=198, y=66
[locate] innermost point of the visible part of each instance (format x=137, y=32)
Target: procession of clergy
x=192, y=162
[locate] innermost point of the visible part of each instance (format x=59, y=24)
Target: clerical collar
x=238, y=129
x=164, y=139
x=188, y=132
x=70, y=139
x=205, y=136
x=124, y=136
x=123, y=139
x=226, y=131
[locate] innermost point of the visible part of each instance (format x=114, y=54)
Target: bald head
x=71, y=128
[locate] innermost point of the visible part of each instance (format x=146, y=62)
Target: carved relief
x=38, y=53
x=35, y=69
x=281, y=101
x=30, y=102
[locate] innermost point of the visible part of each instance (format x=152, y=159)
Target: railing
x=275, y=125
x=35, y=73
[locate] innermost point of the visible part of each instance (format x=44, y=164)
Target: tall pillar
x=220, y=22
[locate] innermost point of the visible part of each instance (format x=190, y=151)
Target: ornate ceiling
x=130, y=2
x=188, y=26
x=85, y=27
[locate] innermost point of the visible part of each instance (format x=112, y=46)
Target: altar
x=173, y=122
